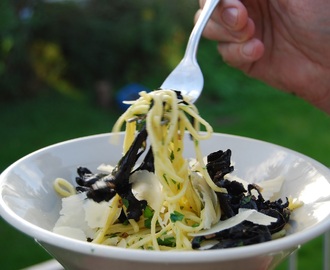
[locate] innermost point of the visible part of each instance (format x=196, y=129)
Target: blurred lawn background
x=63, y=67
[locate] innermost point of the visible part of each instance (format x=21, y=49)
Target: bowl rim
x=45, y=236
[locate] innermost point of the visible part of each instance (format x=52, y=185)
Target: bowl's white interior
x=28, y=201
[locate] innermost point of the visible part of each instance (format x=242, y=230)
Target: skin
x=285, y=43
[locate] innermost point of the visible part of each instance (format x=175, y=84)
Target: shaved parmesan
x=96, y=214
x=72, y=215
x=271, y=188
x=72, y=212
x=232, y=177
x=205, y=245
x=243, y=214
x=145, y=186
x=211, y=211
x=70, y=232
x=105, y=168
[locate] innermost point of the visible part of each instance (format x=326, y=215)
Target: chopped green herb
x=147, y=223
x=125, y=202
x=148, y=214
x=112, y=235
x=172, y=156
x=165, y=178
x=246, y=199
x=176, y=216
x=166, y=241
x=125, y=222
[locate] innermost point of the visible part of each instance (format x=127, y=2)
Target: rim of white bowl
x=48, y=237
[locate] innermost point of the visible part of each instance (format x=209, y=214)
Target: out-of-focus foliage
x=72, y=46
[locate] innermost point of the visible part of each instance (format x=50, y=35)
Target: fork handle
x=192, y=46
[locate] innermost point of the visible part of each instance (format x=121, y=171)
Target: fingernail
x=248, y=48
x=229, y=16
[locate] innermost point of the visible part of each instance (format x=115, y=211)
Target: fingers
x=219, y=32
x=231, y=26
x=229, y=22
x=239, y=54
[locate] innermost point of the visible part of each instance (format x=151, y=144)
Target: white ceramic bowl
x=29, y=203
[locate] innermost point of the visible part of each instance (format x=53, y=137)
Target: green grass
x=30, y=125
x=245, y=107
x=232, y=104
x=235, y=104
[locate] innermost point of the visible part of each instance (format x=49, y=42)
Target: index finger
x=232, y=14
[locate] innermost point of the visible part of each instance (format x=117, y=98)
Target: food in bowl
x=156, y=199
x=28, y=202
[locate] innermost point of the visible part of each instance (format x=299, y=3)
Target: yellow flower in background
x=7, y=44
x=49, y=65
x=148, y=14
x=172, y=51
x=47, y=60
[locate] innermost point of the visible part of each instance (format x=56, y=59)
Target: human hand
x=283, y=43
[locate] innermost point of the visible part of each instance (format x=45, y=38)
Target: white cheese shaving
x=105, y=168
x=232, y=177
x=271, y=188
x=70, y=232
x=243, y=214
x=72, y=215
x=211, y=210
x=96, y=214
x=145, y=186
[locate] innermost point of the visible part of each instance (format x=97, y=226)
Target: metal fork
x=187, y=77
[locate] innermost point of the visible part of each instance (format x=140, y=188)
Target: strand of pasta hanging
x=167, y=118
x=154, y=197
x=180, y=208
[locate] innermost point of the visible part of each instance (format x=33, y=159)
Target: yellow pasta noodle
x=63, y=187
x=162, y=206
x=180, y=208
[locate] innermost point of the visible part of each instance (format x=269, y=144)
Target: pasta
x=166, y=118
x=179, y=198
